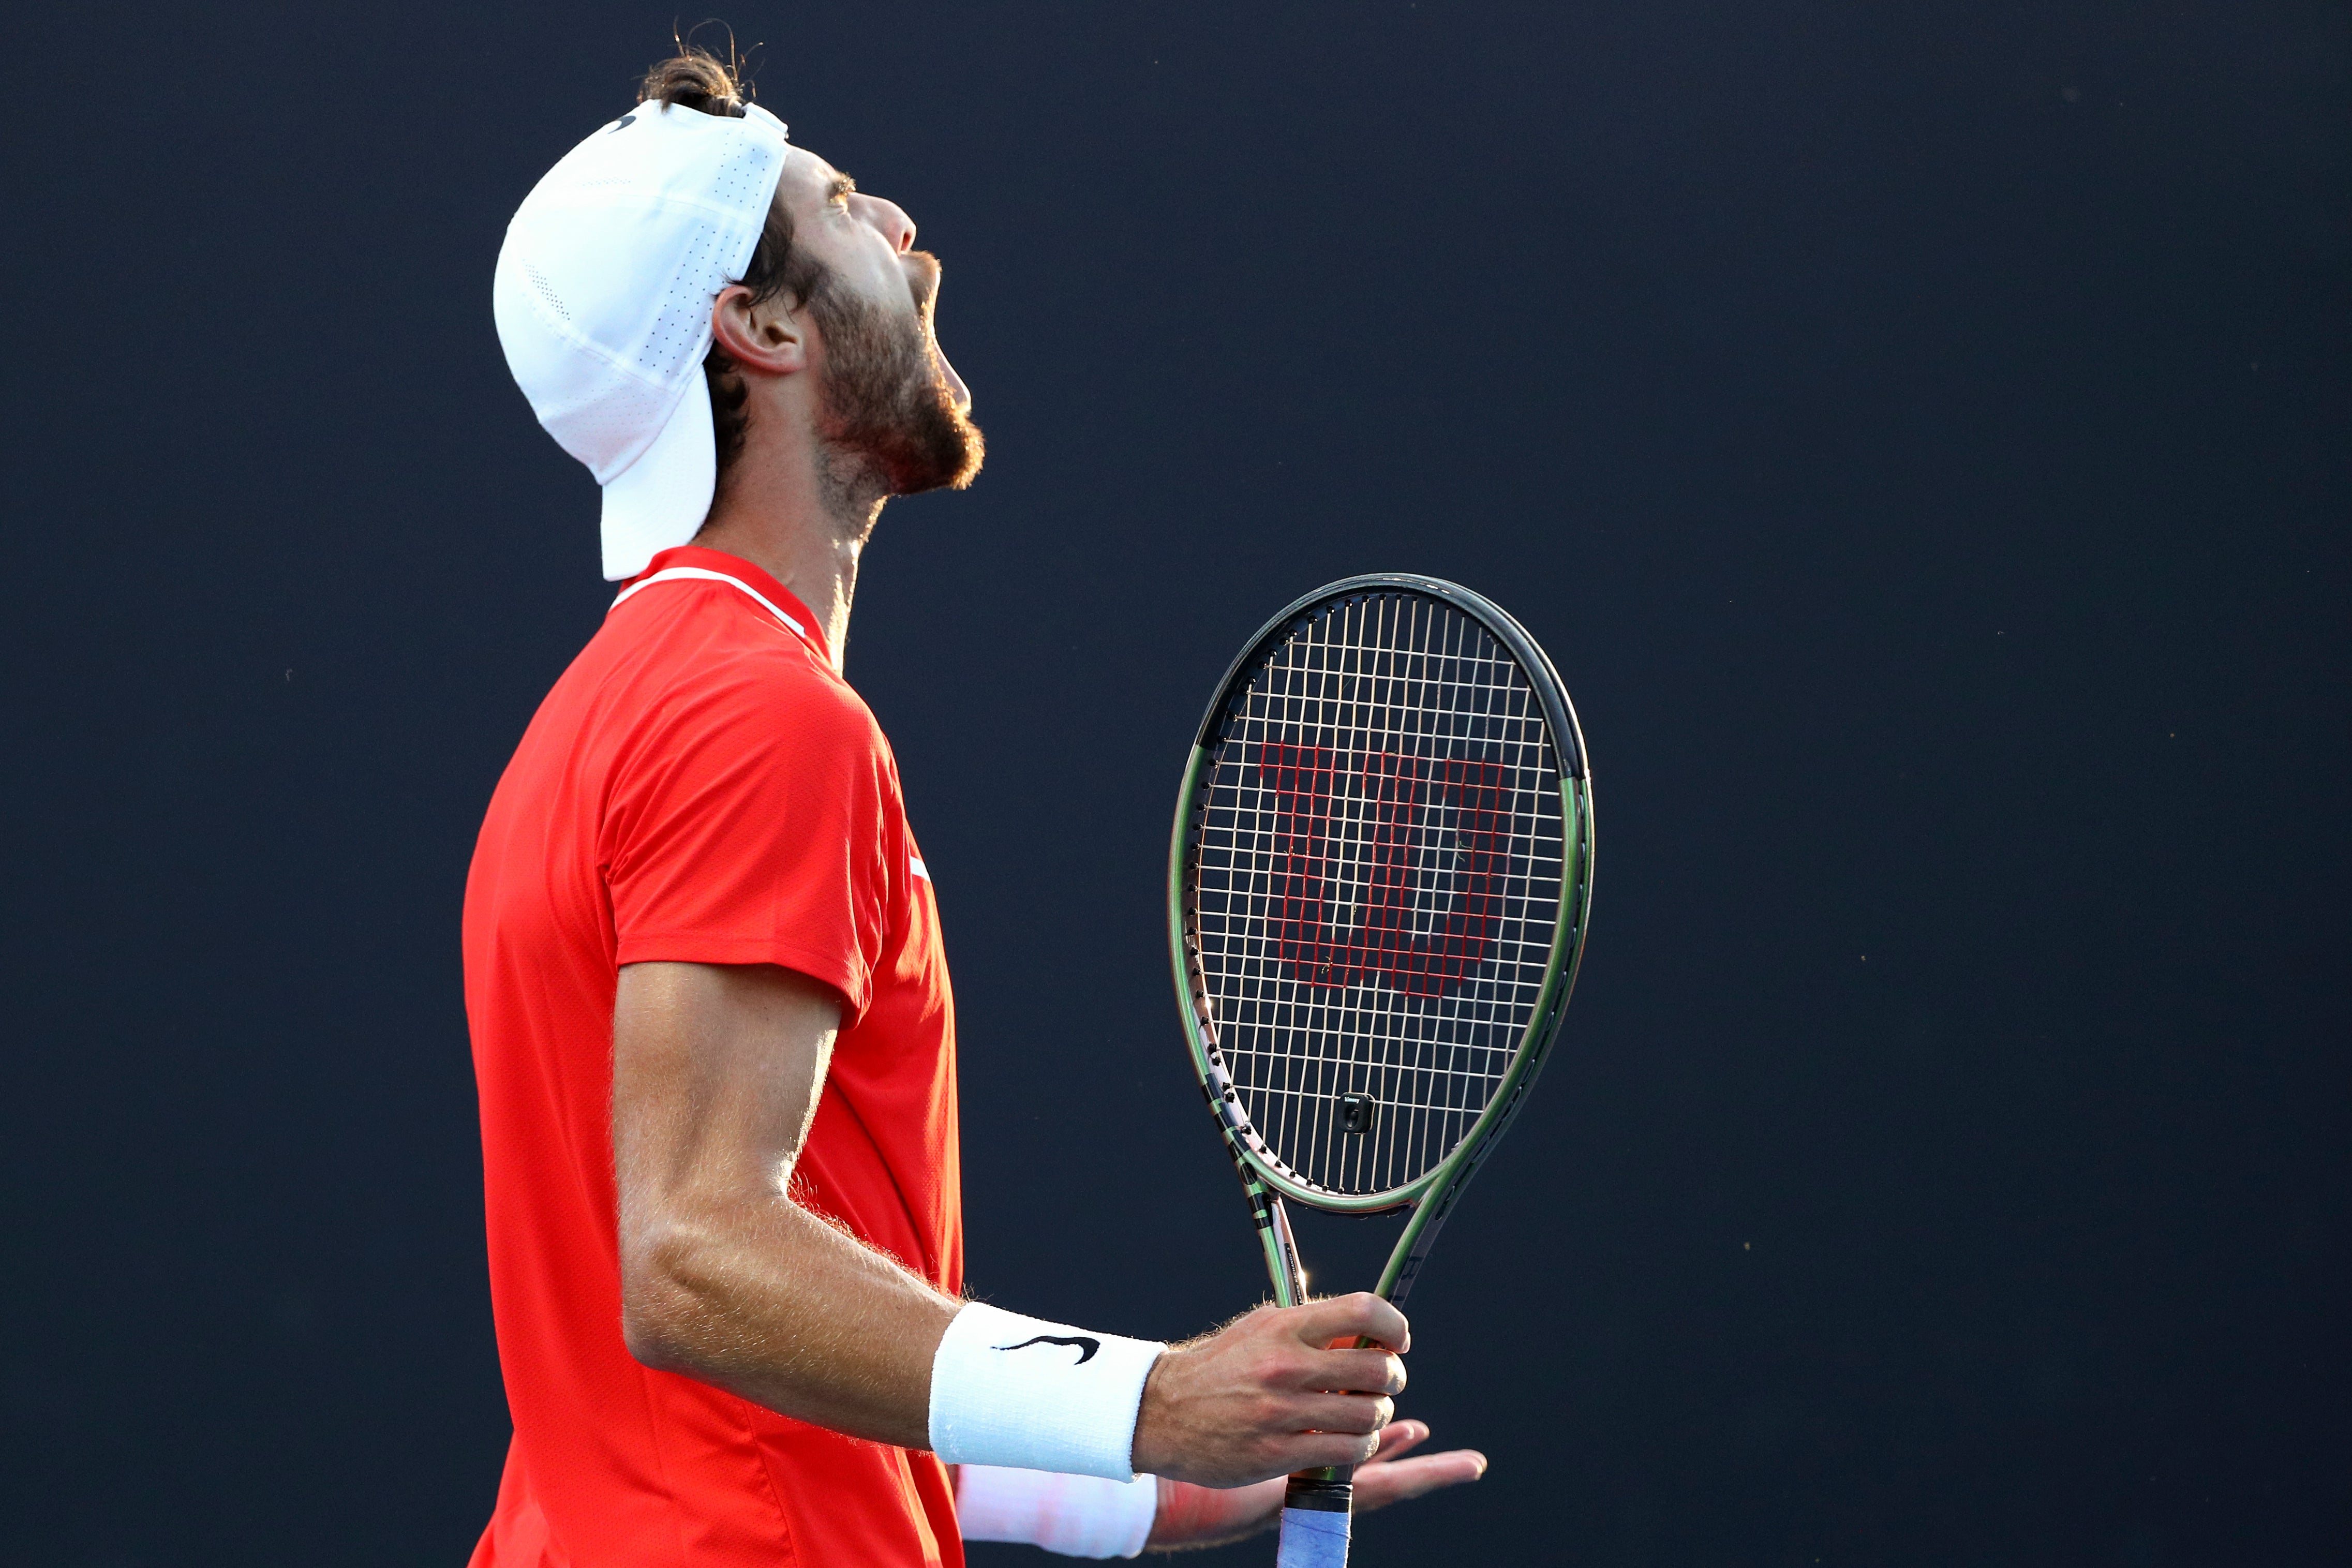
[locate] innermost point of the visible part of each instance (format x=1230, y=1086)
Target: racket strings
x=1376, y=884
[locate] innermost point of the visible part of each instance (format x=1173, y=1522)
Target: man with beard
x=711, y=1020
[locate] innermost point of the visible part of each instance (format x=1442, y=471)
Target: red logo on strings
x=1367, y=883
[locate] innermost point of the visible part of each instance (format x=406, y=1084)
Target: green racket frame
x=1432, y=1195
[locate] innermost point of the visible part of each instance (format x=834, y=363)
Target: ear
x=763, y=337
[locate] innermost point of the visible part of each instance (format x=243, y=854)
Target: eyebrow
x=839, y=186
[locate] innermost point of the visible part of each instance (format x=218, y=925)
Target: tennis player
x=710, y=1014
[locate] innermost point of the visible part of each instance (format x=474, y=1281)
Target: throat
x=813, y=551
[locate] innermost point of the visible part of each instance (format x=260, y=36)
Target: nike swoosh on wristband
x=1085, y=1344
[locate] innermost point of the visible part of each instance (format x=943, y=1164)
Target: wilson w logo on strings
x=1385, y=867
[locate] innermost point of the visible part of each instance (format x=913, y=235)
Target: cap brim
x=659, y=501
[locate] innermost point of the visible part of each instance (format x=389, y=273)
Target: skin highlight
x=716, y=1068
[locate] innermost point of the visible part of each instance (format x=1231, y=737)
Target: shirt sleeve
x=747, y=824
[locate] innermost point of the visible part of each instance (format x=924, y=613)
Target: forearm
x=716, y=1076
x=1190, y=1516
x=755, y=1294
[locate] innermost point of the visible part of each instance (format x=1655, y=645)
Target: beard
x=886, y=409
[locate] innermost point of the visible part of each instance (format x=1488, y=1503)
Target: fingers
x=1315, y=1450
x=1362, y=1315
x=1351, y=1372
x=1352, y=1415
x=1267, y=1394
x=1386, y=1481
x=1400, y=1437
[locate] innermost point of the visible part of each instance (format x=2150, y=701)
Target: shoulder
x=775, y=706
x=756, y=712
x=706, y=690
x=695, y=651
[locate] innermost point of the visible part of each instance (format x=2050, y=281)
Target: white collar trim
x=704, y=574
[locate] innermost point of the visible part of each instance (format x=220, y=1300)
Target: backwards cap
x=602, y=297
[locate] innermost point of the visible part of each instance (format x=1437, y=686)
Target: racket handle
x=1314, y=1513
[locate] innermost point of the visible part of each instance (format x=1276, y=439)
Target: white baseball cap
x=602, y=297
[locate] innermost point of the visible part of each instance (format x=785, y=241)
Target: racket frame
x=1432, y=1195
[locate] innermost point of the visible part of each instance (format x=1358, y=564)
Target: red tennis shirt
x=700, y=785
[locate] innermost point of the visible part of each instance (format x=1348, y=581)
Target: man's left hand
x=1203, y=1516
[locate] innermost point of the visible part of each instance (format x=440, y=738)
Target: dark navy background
x=1920, y=440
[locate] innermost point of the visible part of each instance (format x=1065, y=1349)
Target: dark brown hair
x=698, y=80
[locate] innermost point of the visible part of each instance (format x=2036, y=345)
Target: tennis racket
x=1376, y=892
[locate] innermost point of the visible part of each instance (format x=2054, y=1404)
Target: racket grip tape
x=1314, y=1516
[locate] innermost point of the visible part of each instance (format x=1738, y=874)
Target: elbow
x=652, y=1340
x=656, y=1308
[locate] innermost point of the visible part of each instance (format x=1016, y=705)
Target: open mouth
x=923, y=287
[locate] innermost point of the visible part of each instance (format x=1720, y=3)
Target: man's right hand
x=1265, y=1395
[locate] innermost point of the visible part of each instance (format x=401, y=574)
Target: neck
x=799, y=517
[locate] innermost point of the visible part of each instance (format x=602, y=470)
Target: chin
x=942, y=449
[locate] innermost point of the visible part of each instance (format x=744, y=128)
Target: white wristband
x=1076, y=1516
x=1033, y=1395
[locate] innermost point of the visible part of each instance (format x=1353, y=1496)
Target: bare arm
x=716, y=1073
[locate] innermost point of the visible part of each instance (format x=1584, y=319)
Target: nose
x=888, y=218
